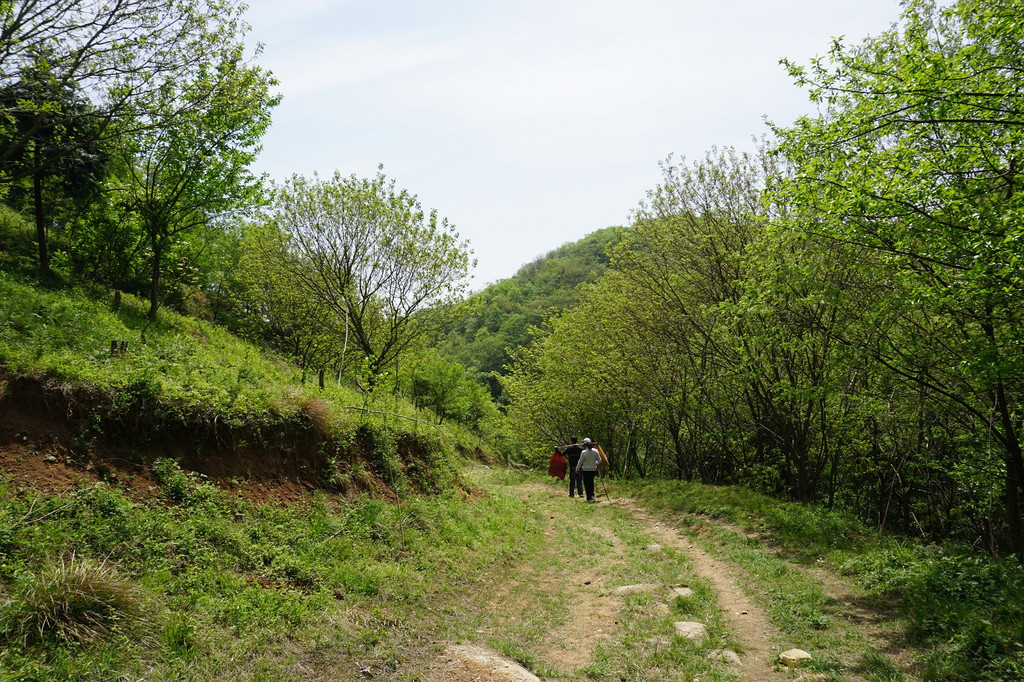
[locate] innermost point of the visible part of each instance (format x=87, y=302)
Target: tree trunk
x=154, y=284
x=37, y=195
x=1014, y=474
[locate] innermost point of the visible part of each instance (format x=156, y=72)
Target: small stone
x=491, y=664
x=695, y=632
x=653, y=547
x=794, y=658
x=680, y=591
x=727, y=656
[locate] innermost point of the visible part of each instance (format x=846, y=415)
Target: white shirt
x=589, y=459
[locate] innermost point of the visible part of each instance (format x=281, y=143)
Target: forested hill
x=503, y=313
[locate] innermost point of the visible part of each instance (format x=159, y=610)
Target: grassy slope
x=211, y=587
x=189, y=581
x=197, y=378
x=184, y=362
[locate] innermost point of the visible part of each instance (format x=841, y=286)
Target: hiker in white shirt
x=589, y=460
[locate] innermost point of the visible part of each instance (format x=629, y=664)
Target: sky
x=532, y=123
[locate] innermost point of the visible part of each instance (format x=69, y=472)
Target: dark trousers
x=588, y=483
x=575, y=482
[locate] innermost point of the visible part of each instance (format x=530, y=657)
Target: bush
x=966, y=607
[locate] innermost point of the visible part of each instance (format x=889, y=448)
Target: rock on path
x=475, y=663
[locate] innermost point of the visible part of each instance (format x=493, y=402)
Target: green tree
x=192, y=164
x=267, y=304
x=918, y=156
x=684, y=262
x=557, y=387
x=51, y=140
x=647, y=349
x=124, y=53
x=367, y=252
x=446, y=388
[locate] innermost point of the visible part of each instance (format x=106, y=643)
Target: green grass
x=188, y=364
x=95, y=584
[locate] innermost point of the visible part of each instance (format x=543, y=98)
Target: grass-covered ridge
x=188, y=390
x=183, y=361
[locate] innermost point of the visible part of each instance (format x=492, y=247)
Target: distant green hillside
x=503, y=314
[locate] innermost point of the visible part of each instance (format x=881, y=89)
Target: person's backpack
x=604, y=458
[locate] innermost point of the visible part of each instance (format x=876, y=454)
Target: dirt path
x=579, y=595
x=745, y=617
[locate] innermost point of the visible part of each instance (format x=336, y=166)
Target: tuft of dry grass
x=73, y=600
x=320, y=415
x=285, y=402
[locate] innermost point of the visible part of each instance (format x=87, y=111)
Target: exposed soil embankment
x=52, y=434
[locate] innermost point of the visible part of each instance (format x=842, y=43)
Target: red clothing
x=557, y=465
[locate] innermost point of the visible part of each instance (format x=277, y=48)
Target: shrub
x=175, y=481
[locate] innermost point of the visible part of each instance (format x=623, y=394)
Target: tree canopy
x=366, y=250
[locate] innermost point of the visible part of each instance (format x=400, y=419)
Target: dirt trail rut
x=592, y=620
x=745, y=617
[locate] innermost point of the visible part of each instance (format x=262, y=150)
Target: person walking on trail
x=572, y=454
x=589, y=459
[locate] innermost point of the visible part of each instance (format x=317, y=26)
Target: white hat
x=587, y=441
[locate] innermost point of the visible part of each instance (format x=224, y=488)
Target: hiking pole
x=605, y=488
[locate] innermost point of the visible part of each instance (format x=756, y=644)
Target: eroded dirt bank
x=53, y=434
